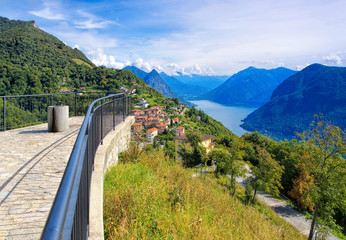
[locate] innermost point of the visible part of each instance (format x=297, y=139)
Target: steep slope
x=154, y=80
x=33, y=62
x=184, y=90
x=251, y=87
x=136, y=71
x=316, y=89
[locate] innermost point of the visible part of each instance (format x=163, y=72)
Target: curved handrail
x=74, y=192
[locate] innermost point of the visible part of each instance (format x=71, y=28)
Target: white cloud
x=301, y=67
x=99, y=58
x=172, y=68
x=141, y=64
x=196, y=69
x=48, y=14
x=92, y=24
x=91, y=21
x=333, y=59
x=76, y=46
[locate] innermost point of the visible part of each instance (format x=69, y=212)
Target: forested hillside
x=33, y=62
x=314, y=90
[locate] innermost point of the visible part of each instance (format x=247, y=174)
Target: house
x=141, y=119
x=144, y=103
x=161, y=128
x=137, y=127
x=64, y=90
x=179, y=130
x=182, y=140
x=151, y=133
x=175, y=120
x=132, y=90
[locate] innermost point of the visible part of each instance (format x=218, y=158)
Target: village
x=153, y=121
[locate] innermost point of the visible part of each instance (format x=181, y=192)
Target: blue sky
x=194, y=36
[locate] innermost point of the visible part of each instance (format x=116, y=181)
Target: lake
x=229, y=116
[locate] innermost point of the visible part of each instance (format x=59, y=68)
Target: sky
x=208, y=37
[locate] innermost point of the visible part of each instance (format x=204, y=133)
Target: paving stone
x=32, y=165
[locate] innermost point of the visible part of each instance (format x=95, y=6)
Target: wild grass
x=81, y=62
x=150, y=197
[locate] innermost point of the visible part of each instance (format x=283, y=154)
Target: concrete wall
x=107, y=155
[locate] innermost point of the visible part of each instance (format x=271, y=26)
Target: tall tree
x=266, y=175
x=326, y=145
x=193, y=153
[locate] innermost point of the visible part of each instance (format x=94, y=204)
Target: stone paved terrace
x=32, y=163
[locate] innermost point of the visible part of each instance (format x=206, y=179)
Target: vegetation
x=290, y=111
x=34, y=62
x=203, y=123
x=313, y=170
x=229, y=165
x=325, y=169
x=151, y=197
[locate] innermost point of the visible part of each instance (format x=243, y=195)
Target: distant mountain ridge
x=316, y=89
x=154, y=80
x=251, y=87
x=185, y=90
x=207, y=81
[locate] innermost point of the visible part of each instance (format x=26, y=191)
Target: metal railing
x=69, y=216
x=25, y=110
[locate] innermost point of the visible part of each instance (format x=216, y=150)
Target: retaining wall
x=106, y=156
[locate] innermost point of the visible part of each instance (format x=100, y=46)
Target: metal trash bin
x=58, y=118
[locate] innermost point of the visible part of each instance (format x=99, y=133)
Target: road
x=284, y=210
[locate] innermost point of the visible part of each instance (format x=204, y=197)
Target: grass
x=150, y=197
x=81, y=62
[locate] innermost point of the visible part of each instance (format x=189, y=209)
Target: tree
x=266, y=175
x=228, y=164
x=326, y=145
x=193, y=153
x=169, y=149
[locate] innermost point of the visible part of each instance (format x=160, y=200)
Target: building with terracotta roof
x=151, y=133
x=179, y=130
x=175, y=120
x=141, y=119
x=181, y=140
x=161, y=127
x=137, y=127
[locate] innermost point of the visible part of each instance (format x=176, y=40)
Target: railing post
x=4, y=113
x=101, y=122
x=124, y=107
x=113, y=112
x=75, y=104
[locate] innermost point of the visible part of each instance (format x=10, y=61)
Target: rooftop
x=152, y=130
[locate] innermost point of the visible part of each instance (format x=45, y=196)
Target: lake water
x=230, y=117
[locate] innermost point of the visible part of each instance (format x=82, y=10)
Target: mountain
x=251, y=87
x=316, y=89
x=34, y=62
x=209, y=82
x=184, y=90
x=136, y=71
x=154, y=80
